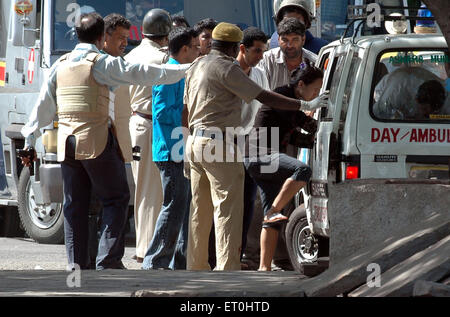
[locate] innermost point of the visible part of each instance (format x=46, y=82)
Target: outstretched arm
x=277, y=101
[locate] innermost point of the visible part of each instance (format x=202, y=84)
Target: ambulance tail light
x=352, y=172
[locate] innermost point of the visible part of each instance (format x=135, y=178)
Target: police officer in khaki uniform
x=214, y=90
x=148, y=192
x=79, y=91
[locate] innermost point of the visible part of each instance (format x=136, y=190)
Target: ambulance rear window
x=412, y=86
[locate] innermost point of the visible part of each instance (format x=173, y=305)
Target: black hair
x=90, y=27
x=115, y=20
x=208, y=24
x=223, y=46
x=431, y=93
x=156, y=38
x=253, y=34
x=180, y=37
x=291, y=25
x=179, y=20
x=306, y=73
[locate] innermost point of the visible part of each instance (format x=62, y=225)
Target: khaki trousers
x=148, y=193
x=217, y=191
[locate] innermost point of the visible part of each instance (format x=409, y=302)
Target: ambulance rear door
x=404, y=123
x=339, y=62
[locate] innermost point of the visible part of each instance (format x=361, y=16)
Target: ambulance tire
x=302, y=245
x=47, y=229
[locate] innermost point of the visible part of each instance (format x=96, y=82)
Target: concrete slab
x=151, y=283
x=363, y=213
x=430, y=289
x=431, y=264
x=347, y=275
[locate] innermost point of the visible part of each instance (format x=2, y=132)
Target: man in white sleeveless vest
x=148, y=199
x=78, y=90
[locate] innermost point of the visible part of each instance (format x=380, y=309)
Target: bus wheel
x=43, y=223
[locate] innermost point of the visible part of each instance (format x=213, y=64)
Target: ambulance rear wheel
x=42, y=223
x=302, y=245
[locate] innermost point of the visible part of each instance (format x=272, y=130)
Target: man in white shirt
x=251, y=51
x=78, y=90
x=395, y=94
x=279, y=63
x=148, y=196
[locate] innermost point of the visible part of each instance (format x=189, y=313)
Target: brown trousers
x=217, y=192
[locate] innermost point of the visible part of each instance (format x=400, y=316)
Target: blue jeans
x=271, y=183
x=167, y=248
x=106, y=177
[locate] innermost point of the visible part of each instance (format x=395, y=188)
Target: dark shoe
x=138, y=259
x=244, y=267
x=117, y=266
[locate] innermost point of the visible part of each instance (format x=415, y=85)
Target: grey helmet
x=157, y=22
x=304, y=5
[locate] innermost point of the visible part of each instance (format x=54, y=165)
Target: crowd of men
x=173, y=98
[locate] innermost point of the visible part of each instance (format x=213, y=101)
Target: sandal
x=275, y=218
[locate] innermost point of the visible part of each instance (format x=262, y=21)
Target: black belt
x=142, y=115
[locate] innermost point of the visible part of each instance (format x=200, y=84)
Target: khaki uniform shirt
x=214, y=90
x=147, y=52
x=121, y=121
x=274, y=66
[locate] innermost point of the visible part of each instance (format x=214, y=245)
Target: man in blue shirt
x=167, y=249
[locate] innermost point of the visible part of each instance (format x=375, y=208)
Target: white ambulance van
x=388, y=118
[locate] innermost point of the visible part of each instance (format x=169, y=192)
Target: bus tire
x=44, y=224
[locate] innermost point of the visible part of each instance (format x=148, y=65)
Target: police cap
x=227, y=32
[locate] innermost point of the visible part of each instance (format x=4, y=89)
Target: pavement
x=31, y=269
x=154, y=283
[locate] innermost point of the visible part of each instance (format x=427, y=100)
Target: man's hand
x=319, y=102
x=187, y=170
x=27, y=155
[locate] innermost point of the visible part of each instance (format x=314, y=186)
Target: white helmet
x=304, y=5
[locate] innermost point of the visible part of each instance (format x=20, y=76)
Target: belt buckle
x=207, y=134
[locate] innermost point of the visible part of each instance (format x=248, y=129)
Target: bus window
x=242, y=13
